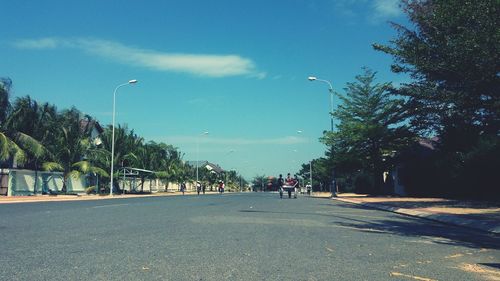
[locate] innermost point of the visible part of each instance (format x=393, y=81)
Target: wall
x=22, y=182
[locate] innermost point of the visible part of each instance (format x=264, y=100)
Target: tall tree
x=32, y=125
x=452, y=53
x=127, y=143
x=9, y=149
x=72, y=141
x=371, y=127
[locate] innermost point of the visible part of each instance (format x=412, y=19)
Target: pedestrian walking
x=295, y=186
x=183, y=187
x=221, y=187
x=289, y=182
x=281, y=182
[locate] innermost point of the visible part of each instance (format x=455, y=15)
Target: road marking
x=106, y=206
x=454, y=256
x=411, y=276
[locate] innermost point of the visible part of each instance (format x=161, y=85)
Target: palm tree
x=8, y=148
x=32, y=125
x=172, y=169
x=72, y=145
x=126, y=144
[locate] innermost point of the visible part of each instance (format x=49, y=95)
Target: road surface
x=248, y=236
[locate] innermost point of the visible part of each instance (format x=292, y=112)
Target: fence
x=15, y=182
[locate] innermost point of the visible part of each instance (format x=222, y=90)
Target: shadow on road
x=404, y=226
x=494, y=265
x=422, y=227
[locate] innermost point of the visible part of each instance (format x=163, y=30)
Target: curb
x=443, y=218
x=70, y=198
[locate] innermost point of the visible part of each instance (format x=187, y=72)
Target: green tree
x=371, y=127
x=71, y=146
x=8, y=148
x=161, y=158
x=126, y=145
x=10, y=151
x=452, y=53
x=259, y=182
x=32, y=124
x=321, y=174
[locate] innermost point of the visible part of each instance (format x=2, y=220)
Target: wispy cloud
x=43, y=43
x=198, y=64
x=376, y=10
x=288, y=140
x=387, y=8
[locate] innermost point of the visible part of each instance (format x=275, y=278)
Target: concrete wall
x=153, y=185
x=22, y=182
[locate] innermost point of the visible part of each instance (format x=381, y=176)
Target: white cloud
x=198, y=64
x=387, y=8
x=289, y=140
x=44, y=43
x=376, y=10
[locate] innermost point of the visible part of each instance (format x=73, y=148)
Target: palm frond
x=82, y=166
x=52, y=166
x=31, y=144
x=75, y=174
x=99, y=171
x=4, y=147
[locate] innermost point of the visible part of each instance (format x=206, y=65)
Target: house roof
x=207, y=165
x=134, y=172
x=84, y=123
x=214, y=167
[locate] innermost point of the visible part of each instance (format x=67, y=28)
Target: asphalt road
x=252, y=236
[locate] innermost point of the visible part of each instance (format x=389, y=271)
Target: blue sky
x=235, y=69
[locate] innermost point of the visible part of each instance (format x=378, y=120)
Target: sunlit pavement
x=471, y=214
x=248, y=236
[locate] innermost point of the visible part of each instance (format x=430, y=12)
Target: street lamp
x=225, y=172
x=310, y=161
x=330, y=89
x=198, y=154
x=133, y=81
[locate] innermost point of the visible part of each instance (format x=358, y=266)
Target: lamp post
x=113, y=133
x=330, y=89
x=225, y=172
x=198, y=154
x=310, y=167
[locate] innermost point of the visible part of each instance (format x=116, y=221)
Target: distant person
x=290, y=183
x=221, y=187
x=183, y=187
x=334, y=187
x=289, y=180
x=198, y=188
x=295, y=186
x=203, y=187
x=281, y=182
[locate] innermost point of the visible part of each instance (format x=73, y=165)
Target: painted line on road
x=112, y=205
x=398, y=274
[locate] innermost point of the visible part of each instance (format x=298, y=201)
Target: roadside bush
x=364, y=183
